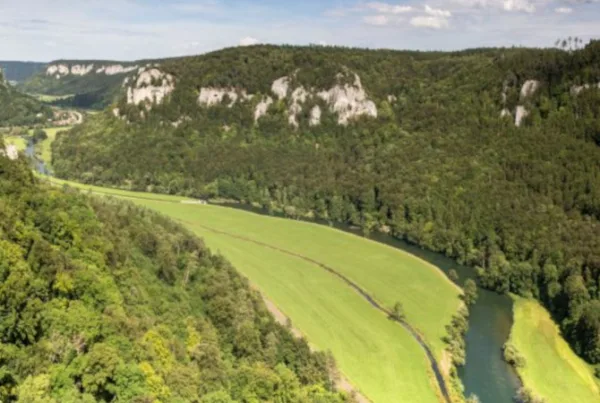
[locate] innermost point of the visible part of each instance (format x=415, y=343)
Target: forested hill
x=20, y=71
x=491, y=155
x=17, y=109
x=103, y=301
x=82, y=83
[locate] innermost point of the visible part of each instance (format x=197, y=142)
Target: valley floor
x=552, y=370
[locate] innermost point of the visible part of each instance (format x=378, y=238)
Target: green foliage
x=89, y=315
x=512, y=355
x=438, y=167
x=470, y=292
x=397, y=312
x=17, y=109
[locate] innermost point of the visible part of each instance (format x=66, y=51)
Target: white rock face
x=116, y=112
x=299, y=97
x=280, y=87
x=520, y=114
x=61, y=70
x=576, y=89
x=315, y=116
x=505, y=112
x=214, y=96
x=392, y=98
x=529, y=88
x=349, y=101
x=81, y=70
x=262, y=108
x=11, y=152
x=151, y=87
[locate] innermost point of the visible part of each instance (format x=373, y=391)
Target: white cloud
x=563, y=10
x=519, y=5
x=506, y=5
x=379, y=20
x=435, y=22
x=248, y=41
x=386, y=8
x=437, y=12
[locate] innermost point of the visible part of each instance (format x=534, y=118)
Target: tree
x=470, y=292
x=39, y=135
x=397, y=312
x=453, y=275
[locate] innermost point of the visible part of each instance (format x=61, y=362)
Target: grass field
x=17, y=141
x=552, y=369
x=378, y=356
x=388, y=274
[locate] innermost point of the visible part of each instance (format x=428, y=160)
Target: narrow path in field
x=433, y=362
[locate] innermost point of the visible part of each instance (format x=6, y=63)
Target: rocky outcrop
x=211, y=96
x=576, y=89
x=520, y=114
x=280, y=87
x=262, y=108
x=529, y=88
x=81, y=70
x=150, y=87
x=349, y=101
x=505, y=112
x=11, y=152
x=346, y=100
x=63, y=69
x=299, y=97
x=315, y=116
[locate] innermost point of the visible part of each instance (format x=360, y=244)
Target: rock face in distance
x=150, y=87
x=63, y=69
x=347, y=100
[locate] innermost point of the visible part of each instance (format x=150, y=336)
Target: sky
x=45, y=30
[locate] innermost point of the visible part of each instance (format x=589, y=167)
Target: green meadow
x=552, y=370
x=388, y=274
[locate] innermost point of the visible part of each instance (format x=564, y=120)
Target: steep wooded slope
x=18, y=109
x=103, y=301
x=490, y=156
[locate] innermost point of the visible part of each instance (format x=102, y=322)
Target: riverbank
x=551, y=369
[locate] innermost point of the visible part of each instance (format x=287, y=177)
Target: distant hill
x=19, y=72
x=17, y=109
x=89, y=83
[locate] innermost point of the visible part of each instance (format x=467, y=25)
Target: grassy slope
x=376, y=355
x=552, y=369
x=390, y=275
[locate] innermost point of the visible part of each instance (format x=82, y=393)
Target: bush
x=512, y=356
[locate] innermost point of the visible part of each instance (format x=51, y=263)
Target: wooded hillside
x=104, y=301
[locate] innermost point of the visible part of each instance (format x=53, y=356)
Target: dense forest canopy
x=442, y=164
x=17, y=109
x=104, y=301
